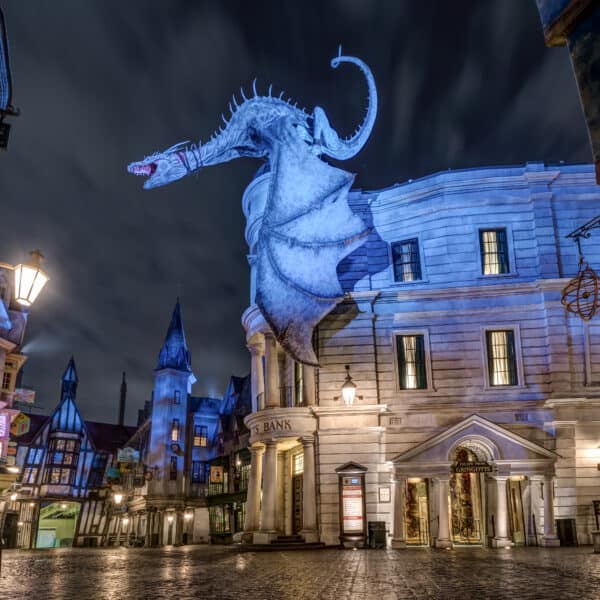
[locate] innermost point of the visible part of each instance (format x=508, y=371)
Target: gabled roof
x=109, y=437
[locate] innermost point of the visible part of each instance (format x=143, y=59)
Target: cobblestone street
x=222, y=572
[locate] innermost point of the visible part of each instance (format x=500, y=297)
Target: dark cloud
x=102, y=83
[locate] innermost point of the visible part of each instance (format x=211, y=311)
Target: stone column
x=308, y=386
x=550, y=538
x=399, y=539
x=118, y=531
x=443, y=538
x=272, y=372
x=501, y=539
x=178, y=528
x=257, y=378
x=269, y=489
x=160, y=515
x=309, y=492
x=148, y=534
x=254, y=484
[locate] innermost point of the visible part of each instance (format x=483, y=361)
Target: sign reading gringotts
x=307, y=226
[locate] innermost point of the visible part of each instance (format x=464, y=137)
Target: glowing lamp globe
x=117, y=498
x=348, y=389
x=30, y=278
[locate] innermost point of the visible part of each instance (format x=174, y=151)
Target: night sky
x=102, y=83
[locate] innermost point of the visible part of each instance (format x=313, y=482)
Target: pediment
x=490, y=441
x=351, y=467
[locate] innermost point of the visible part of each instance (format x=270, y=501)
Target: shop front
x=477, y=483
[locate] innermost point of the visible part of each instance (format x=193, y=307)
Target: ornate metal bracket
x=580, y=296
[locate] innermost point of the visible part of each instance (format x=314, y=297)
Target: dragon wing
x=308, y=228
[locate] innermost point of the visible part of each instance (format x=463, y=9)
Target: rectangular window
x=412, y=372
x=407, y=264
x=198, y=472
x=502, y=364
x=6, y=381
x=175, y=430
x=200, y=436
x=173, y=470
x=494, y=251
x=177, y=397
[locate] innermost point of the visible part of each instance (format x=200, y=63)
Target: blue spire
x=69, y=380
x=175, y=354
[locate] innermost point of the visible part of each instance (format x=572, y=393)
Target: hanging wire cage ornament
x=580, y=295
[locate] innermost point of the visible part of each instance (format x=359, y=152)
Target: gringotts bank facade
x=476, y=414
x=413, y=369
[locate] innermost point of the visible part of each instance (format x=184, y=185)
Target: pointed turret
x=69, y=380
x=175, y=354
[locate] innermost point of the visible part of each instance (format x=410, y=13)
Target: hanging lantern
x=580, y=295
x=29, y=279
x=348, y=389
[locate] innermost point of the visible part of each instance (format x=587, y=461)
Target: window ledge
x=395, y=283
x=496, y=388
x=498, y=275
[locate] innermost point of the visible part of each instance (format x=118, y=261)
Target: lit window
x=502, y=366
x=200, y=436
x=411, y=362
x=407, y=264
x=298, y=464
x=6, y=379
x=494, y=251
x=175, y=430
x=173, y=470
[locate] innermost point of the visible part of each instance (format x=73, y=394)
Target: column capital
x=307, y=440
x=256, y=348
x=257, y=449
x=442, y=478
x=270, y=444
x=500, y=478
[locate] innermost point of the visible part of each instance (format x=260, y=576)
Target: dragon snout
x=147, y=169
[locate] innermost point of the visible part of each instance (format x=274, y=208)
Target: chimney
x=122, y=400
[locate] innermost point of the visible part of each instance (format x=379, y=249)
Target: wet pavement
x=221, y=572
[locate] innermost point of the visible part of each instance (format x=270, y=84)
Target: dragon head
x=249, y=132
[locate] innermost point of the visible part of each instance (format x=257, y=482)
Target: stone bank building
x=476, y=411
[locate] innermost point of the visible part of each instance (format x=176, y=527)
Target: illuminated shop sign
x=352, y=505
x=472, y=467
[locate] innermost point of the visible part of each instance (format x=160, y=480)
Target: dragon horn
x=243, y=95
x=254, y=87
x=270, y=89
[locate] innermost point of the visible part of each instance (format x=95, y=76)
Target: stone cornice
x=354, y=410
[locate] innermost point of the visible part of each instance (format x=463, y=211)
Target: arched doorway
x=466, y=507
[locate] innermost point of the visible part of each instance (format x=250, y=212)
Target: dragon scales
x=307, y=226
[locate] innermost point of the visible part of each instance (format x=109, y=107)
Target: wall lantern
x=125, y=521
x=12, y=469
x=117, y=498
x=170, y=519
x=188, y=515
x=13, y=497
x=30, y=278
x=348, y=389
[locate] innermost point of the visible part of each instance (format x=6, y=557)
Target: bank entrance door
x=515, y=503
x=297, y=491
x=465, y=501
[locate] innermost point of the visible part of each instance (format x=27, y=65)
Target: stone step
x=280, y=547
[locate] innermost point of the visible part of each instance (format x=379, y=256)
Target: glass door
x=416, y=515
x=515, y=503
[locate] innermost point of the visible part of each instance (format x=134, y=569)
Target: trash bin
x=596, y=541
x=377, y=534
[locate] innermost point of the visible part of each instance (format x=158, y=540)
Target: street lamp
x=348, y=389
x=30, y=278
x=117, y=498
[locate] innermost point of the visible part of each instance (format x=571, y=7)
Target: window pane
x=407, y=264
x=501, y=358
x=494, y=251
x=411, y=362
